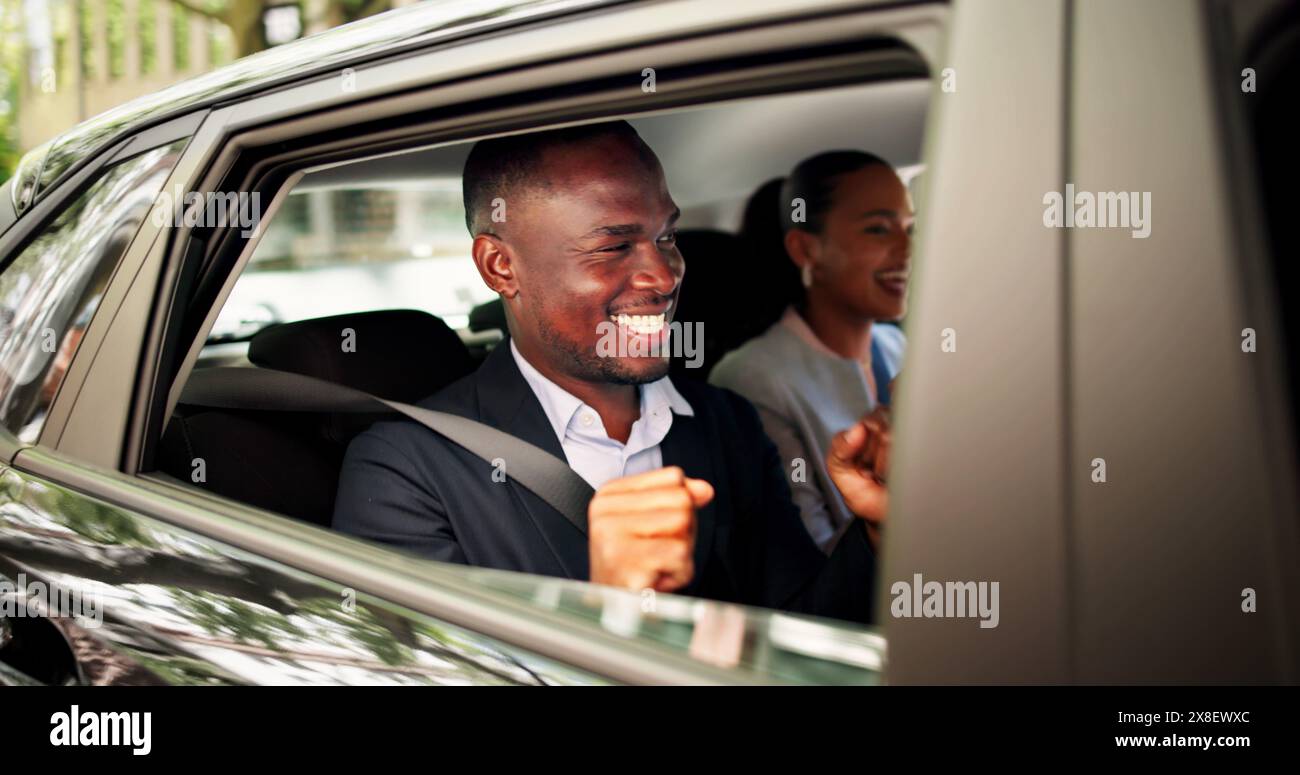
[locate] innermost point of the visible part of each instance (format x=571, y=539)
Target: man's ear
x=802, y=247
x=495, y=264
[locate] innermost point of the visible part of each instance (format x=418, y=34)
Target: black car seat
x=289, y=462
x=738, y=285
x=712, y=294
x=488, y=316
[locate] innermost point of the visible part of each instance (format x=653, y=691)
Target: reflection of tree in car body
x=52, y=289
x=242, y=608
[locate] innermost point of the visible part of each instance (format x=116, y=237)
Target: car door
x=202, y=620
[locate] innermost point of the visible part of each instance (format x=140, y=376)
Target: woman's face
x=865, y=246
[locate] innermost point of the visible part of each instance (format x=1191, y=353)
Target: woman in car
x=831, y=358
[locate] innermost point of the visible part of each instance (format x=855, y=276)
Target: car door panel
x=1189, y=516
x=178, y=608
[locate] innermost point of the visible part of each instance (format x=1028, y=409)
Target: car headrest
x=401, y=355
x=711, y=261
x=488, y=316
x=708, y=293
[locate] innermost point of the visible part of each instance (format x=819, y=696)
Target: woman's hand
x=858, y=463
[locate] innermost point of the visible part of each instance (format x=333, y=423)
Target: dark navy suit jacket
x=404, y=485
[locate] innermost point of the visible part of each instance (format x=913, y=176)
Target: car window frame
x=37, y=218
x=126, y=273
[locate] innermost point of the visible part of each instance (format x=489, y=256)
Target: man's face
x=867, y=243
x=595, y=245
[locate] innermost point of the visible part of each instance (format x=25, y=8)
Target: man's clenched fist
x=641, y=529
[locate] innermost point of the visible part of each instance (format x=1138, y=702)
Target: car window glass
x=374, y=255
x=356, y=249
x=49, y=293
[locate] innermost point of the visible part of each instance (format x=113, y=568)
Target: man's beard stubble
x=583, y=363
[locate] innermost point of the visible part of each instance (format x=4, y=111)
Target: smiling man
x=575, y=230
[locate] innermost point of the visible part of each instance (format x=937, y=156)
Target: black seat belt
x=545, y=475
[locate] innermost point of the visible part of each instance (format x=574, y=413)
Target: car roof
x=364, y=40
x=712, y=159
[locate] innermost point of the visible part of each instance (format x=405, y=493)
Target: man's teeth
x=897, y=275
x=640, y=324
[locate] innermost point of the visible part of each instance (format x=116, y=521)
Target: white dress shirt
x=590, y=451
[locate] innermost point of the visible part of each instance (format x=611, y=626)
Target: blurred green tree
x=11, y=61
x=245, y=17
x=246, y=20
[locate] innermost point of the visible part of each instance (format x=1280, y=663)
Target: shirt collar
x=560, y=405
x=795, y=323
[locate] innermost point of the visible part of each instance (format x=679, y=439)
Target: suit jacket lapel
x=507, y=403
x=687, y=445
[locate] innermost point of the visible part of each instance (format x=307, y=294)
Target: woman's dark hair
x=775, y=279
x=813, y=180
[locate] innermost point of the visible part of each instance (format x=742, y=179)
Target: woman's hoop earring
x=806, y=275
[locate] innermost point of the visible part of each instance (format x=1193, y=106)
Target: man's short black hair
x=501, y=166
x=813, y=180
